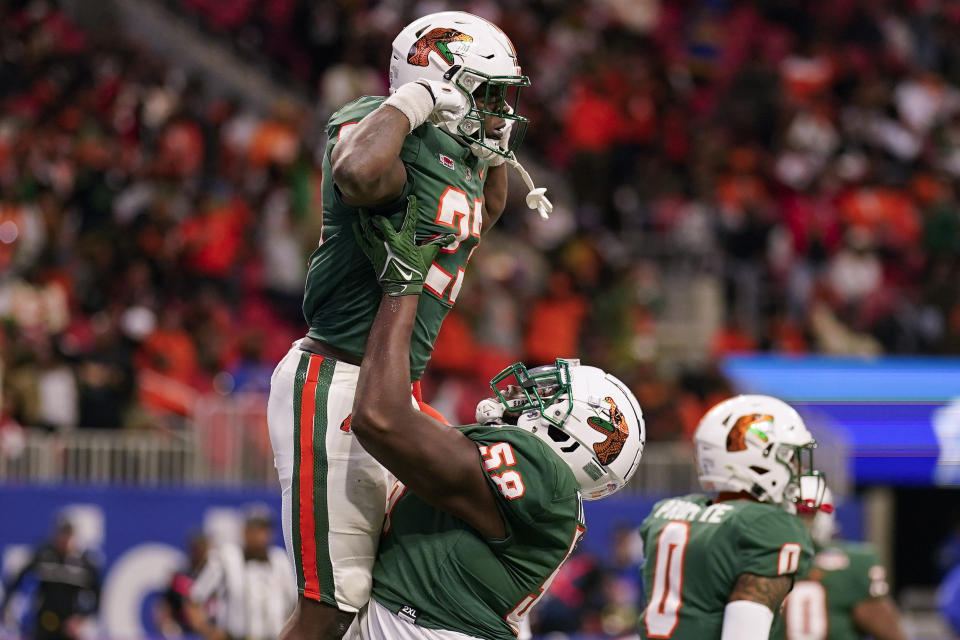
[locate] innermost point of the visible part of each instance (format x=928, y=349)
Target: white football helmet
x=476, y=56
x=587, y=416
x=758, y=444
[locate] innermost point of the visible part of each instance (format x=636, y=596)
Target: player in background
x=170, y=615
x=719, y=568
x=845, y=596
x=484, y=515
x=66, y=593
x=444, y=135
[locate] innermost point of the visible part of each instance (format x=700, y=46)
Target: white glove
x=489, y=410
x=450, y=103
x=440, y=102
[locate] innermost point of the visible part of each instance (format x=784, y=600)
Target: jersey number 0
x=662, y=612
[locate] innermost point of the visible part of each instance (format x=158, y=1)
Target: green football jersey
x=820, y=607
x=342, y=294
x=438, y=572
x=696, y=551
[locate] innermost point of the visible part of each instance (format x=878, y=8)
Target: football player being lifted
x=443, y=136
x=845, y=595
x=483, y=516
x=719, y=566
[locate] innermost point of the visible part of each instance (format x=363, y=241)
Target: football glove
x=440, y=102
x=450, y=103
x=489, y=411
x=399, y=262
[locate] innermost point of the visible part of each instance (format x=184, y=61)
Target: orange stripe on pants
x=308, y=543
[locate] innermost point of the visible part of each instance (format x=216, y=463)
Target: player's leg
x=313, y=620
x=355, y=497
x=333, y=493
x=376, y=622
x=280, y=416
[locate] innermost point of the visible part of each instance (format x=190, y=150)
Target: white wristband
x=413, y=100
x=746, y=620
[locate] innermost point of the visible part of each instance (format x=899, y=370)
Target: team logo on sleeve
x=737, y=438
x=444, y=42
x=616, y=431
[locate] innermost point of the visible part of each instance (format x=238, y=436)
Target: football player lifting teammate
x=719, y=567
x=483, y=516
x=442, y=138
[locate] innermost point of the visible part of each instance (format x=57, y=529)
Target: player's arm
x=876, y=613
x=751, y=605
x=366, y=164
x=14, y=586
x=439, y=464
x=494, y=195
x=96, y=584
x=878, y=618
x=197, y=617
x=210, y=579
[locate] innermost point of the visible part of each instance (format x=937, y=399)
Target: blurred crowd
x=152, y=240
x=729, y=177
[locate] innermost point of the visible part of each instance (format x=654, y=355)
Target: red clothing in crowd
x=213, y=239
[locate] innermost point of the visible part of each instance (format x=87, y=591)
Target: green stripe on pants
x=324, y=566
x=295, y=488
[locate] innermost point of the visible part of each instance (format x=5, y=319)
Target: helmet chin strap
x=536, y=198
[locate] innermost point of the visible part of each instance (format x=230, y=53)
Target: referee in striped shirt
x=251, y=588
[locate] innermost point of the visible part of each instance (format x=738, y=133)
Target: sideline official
x=254, y=585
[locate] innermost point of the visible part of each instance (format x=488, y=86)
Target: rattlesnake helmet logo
x=615, y=429
x=438, y=40
x=737, y=437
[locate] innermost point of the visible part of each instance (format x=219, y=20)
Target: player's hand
x=450, y=103
x=489, y=411
x=399, y=262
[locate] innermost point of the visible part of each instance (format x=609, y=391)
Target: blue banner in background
x=141, y=532
x=900, y=416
